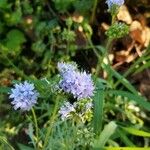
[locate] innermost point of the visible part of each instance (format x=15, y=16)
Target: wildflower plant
x=75, y=109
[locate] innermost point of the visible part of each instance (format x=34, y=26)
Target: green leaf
x=4, y=90
x=108, y=131
x=15, y=17
x=14, y=40
x=24, y=147
x=124, y=138
x=83, y=6
x=136, y=132
x=64, y=5
x=31, y=135
x=139, y=99
x=98, y=111
x=3, y=4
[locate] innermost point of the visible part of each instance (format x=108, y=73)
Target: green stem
x=36, y=125
x=51, y=120
x=100, y=59
x=94, y=11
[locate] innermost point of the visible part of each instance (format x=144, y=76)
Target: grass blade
x=136, y=132
x=98, y=108
x=109, y=129
x=124, y=138
x=98, y=111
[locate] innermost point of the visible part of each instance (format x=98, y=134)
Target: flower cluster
x=77, y=83
x=24, y=96
x=110, y=3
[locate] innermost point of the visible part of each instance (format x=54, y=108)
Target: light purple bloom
x=110, y=3
x=79, y=84
x=65, y=110
x=24, y=96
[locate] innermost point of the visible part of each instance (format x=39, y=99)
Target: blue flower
x=110, y=3
x=24, y=96
x=79, y=84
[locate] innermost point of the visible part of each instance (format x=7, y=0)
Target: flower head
x=65, y=110
x=110, y=3
x=24, y=96
x=79, y=84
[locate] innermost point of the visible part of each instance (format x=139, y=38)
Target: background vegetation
x=35, y=35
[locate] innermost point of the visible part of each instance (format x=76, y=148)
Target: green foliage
x=63, y=6
x=81, y=6
x=14, y=40
x=34, y=36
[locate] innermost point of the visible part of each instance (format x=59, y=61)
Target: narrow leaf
x=98, y=108
x=109, y=129
x=136, y=132
x=124, y=138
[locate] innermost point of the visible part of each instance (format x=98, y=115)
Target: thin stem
x=36, y=125
x=100, y=59
x=51, y=120
x=98, y=67
x=94, y=11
